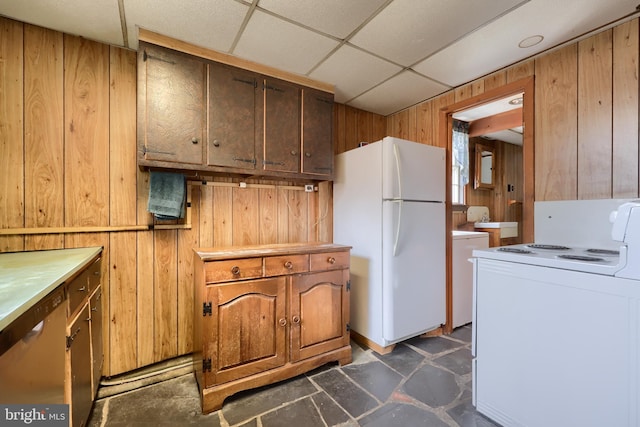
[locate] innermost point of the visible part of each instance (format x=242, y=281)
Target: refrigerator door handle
x=395, y=243
x=396, y=154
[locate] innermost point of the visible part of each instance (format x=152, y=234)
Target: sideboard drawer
x=235, y=269
x=329, y=261
x=287, y=264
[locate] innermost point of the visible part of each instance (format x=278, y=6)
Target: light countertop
x=27, y=277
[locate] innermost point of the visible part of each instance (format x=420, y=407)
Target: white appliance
x=556, y=331
x=463, y=245
x=388, y=204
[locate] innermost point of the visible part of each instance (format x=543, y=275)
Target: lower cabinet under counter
x=254, y=327
x=51, y=341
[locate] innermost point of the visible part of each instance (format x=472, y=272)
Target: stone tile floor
x=423, y=382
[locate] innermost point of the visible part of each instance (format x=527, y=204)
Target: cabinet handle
x=194, y=140
x=216, y=143
x=235, y=270
x=283, y=322
x=96, y=273
x=331, y=260
x=288, y=265
x=294, y=152
x=94, y=309
x=296, y=320
x=307, y=154
x=82, y=289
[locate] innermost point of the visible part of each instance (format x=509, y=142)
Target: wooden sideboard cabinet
x=267, y=313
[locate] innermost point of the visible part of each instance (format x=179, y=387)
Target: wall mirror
x=484, y=167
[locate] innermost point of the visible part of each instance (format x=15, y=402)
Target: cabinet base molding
x=213, y=397
x=366, y=342
x=370, y=344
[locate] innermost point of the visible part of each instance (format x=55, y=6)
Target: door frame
x=527, y=87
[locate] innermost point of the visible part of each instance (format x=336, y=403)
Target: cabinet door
x=319, y=313
x=281, y=126
x=246, y=331
x=235, y=117
x=97, y=353
x=172, y=105
x=317, y=133
x=79, y=367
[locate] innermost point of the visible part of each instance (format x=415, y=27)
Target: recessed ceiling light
x=530, y=41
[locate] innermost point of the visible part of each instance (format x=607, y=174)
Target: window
x=460, y=161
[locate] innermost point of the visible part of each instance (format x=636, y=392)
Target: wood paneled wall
x=586, y=116
x=353, y=126
x=68, y=159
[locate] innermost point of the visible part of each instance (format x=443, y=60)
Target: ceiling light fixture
x=530, y=41
x=516, y=101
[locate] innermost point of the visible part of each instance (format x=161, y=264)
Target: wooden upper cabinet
x=317, y=131
x=171, y=105
x=235, y=113
x=281, y=126
x=200, y=115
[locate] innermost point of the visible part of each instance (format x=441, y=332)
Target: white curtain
x=461, y=149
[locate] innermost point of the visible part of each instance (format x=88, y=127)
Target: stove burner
x=550, y=247
x=581, y=258
x=514, y=250
x=603, y=251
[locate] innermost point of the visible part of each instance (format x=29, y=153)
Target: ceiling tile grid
x=213, y=24
x=381, y=55
x=281, y=44
x=407, y=31
x=337, y=18
x=403, y=90
x=353, y=72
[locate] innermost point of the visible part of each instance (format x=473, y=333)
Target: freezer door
x=413, y=268
x=412, y=171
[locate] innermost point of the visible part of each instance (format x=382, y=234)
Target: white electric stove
x=556, y=331
x=621, y=262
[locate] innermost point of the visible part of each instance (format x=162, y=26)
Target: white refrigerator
x=389, y=205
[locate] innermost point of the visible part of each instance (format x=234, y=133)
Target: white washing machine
x=464, y=242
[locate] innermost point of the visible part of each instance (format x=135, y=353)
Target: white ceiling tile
x=397, y=93
x=95, y=20
x=407, y=31
x=353, y=71
x=272, y=41
x=496, y=45
x=213, y=24
x=335, y=17
x=452, y=42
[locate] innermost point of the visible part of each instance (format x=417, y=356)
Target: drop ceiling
x=381, y=55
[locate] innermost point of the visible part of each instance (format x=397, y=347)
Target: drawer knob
x=308, y=154
x=331, y=260
x=283, y=322
x=194, y=140
x=288, y=265
x=294, y=152
x=216, y=143
x=235, y=270
x=82, y=289
x=296, y=320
